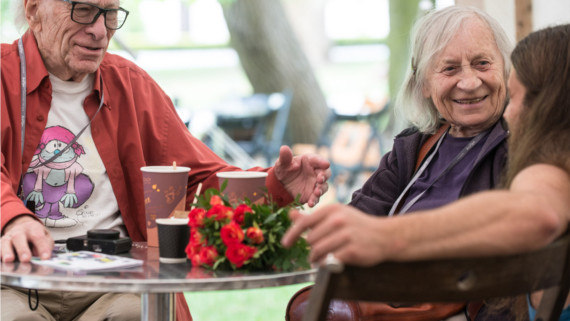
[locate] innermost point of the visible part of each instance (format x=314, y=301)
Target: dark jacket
x=397, y=168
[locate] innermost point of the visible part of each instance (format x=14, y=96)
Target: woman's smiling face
x=466, y=80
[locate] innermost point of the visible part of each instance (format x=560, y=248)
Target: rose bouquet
x=242, y=236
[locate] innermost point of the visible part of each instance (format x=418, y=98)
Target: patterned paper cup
x=164, y=194
x=242, y=184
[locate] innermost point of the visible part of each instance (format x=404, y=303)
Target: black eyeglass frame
x=101, y=11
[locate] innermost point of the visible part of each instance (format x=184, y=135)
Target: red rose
x=220, y=212
x=216, y=200
x=198, y=273
x=195, y=243
x=196, y=239
x=239, y=213
x=196, y=260
x=208, y=255
x=231, y=233
x=254, y=234
x=196, y=217
x=191, y=250
x=239, y=253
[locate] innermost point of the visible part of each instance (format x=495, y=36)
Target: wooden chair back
x=450, y=280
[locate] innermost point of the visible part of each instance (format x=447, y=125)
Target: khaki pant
x=69, y=306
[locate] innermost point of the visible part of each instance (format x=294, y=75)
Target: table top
x=152, y=277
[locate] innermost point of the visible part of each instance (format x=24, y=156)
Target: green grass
x=267, y=304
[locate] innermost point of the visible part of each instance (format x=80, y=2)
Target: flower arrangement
x=242, y=236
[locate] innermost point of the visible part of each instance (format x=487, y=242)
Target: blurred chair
x=257, y=123
x=449, y=280
x=349, y=155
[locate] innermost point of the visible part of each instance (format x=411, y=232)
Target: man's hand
x=306, y=175
x=344, y=231
x=23, y=237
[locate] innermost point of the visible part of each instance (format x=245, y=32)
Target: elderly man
x=77, y=124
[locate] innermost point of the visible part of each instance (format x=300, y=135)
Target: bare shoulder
x=542, y=175
x=547, y=185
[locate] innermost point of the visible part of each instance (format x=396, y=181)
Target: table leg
x=158, y=306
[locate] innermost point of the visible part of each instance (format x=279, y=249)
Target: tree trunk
x=274, y=61
x=307, y=17
x=402, y=17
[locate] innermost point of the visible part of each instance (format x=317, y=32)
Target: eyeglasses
x=86, y=13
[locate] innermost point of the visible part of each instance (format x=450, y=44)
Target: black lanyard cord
x=72, y=142
x=23, y=93
x=35, y=307
x=23, y=105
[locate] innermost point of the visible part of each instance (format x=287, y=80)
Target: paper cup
x=173, y=236
x=164, y=194
x=242, y=184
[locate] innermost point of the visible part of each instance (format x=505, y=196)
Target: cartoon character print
x=59, y=182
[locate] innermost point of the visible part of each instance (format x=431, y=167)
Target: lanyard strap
x=72, y=142
x=453, y=162
x=23, y=105
x=23, y=91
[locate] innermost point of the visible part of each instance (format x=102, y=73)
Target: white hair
x=430, y=35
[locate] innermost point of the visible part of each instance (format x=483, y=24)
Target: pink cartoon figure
x=60, y=181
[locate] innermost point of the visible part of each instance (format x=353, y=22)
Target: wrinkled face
x=517, y=93
x=466, y=80
x=69, y=50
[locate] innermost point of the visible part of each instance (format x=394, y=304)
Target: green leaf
x=219, y=261
x=270, y=219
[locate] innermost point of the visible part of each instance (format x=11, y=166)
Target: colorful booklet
x=88, y=261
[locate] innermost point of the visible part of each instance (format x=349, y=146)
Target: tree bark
x=402, y=17
x=273, y=61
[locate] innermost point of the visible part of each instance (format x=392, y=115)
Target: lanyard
x=453, y=162
x=23, y=93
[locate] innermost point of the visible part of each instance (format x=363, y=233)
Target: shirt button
x=40, y=118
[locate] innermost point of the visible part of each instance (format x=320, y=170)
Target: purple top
x=447, y=188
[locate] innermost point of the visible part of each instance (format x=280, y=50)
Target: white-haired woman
x=453, y=96
x=457, y=81
x=530, y=210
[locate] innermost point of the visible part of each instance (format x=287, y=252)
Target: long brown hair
x=542, y=133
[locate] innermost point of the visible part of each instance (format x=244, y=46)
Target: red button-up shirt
x=137, y=126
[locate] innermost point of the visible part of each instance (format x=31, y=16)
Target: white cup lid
x=241, y=174
x=165, y=169
x=172, y=221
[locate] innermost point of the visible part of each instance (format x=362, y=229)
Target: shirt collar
x=36, y=71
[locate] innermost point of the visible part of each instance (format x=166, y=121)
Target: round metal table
x=157, y=282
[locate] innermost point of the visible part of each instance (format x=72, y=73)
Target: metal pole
x=158, y=306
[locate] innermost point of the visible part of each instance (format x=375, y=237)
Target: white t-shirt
x=73, y=193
